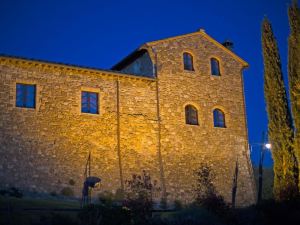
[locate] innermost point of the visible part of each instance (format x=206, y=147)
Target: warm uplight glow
x=268, y=145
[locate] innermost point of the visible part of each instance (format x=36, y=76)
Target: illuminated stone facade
x=140, y=125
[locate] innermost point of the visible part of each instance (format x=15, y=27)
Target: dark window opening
x=191, y=115
x=188, y=61
x=219, y=118
x=215, y=67
x=89, y=102
x=25, y=95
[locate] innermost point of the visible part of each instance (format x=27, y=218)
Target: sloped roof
x=4, y=57
x=135, y=54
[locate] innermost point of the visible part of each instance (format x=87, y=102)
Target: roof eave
x=204, y=34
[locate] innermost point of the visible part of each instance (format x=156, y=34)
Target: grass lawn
x=37, y=203
x=21, y=217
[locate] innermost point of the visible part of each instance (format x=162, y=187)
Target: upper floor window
x=191, y=115
x=89, y=102
x=188, y=61
x=219, y=118
x=215, y=67
x=25, y=95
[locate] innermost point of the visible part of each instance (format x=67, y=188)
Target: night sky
x=99, y=33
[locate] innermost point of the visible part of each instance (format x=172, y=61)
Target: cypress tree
x=294, y=72
x=280, y=128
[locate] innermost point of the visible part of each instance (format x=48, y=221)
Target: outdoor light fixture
x=264, y=147
x=268, y=146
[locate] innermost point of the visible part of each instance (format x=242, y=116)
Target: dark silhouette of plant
x=138, y=196
x=67, y=191
x=13, y=192
x=206, y=194
x=178, y=205
x=104, y=215
x=106, y=198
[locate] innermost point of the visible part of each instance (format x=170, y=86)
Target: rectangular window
x=25, y=95
x=89, y=102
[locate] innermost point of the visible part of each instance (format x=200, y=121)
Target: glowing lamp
x=268, y=146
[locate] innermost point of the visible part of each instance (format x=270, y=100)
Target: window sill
x=90, y=114
x=192, y=125
x=220, y=127
x=25, y=108
x=189, y=71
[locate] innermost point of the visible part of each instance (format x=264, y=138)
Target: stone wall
x=42, y=149
x=185, y=147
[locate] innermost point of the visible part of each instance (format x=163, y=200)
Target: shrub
x=62, y=219
x=53, y=193
x=177, y=205
x=163, y=203
x=67, y=191
x=188, y=216
x=52, y=219
x=106, y=197
x=206, y=195
x=3, y=192
x=119, y=195
x=104, y=215
x=272, y=212
x=12, y=192
x=138, y=197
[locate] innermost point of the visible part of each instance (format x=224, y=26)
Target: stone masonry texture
x=42, y=149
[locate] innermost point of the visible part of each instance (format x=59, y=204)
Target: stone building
x=166, y=108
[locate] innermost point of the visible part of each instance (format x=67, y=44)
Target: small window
x=25, y=95
x=191, y=115
x=188, y=61
x=215, y=67
x=219, y=118
x=89, y=102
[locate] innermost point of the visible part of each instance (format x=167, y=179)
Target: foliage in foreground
x=280, y=128
x=267, y=213
x=294, y=72
x=206, y=193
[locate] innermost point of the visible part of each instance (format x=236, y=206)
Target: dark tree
x=280, y=127
x=294, y=72
x=138, y=196
x=206, y=193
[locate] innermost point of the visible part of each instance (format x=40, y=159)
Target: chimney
x=228, y=44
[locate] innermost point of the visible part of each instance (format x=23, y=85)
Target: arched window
x=191, y=115
x=188, y=61
x=219, y=118
x=215, y=67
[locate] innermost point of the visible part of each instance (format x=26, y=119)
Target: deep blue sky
x=99, y=33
